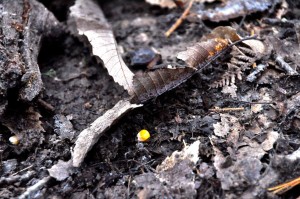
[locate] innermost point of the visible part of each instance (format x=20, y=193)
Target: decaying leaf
x=143, y=87
x=154, y=83
x=230, y=89
x=63, y=127
x=201, y=52
x=243, y=54
x=163, y=3
x=244, y=172
x=61, y=170
x=272, y=137
x=90, y=22
x=89, y=136
x=229, y=124
x=174, y=177
x=239, y=158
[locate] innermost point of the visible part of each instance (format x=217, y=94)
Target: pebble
x=142, y=57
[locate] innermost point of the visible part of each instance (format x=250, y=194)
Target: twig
x=217, y=109
x=128, y=187
x=22, y=170
x=46, y=105
x=17, y=178
x=180, y=19
x=245, y=102
x=35, y=187
x=285, y=66
x=241, y=22
x=253, y=76
x=279, y=189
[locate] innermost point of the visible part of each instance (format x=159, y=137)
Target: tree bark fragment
x=23, y=25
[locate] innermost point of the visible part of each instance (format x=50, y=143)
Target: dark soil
x=80, y=89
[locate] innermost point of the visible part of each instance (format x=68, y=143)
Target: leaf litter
x=148, y=86
x=254, y=141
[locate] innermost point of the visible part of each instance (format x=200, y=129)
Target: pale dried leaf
x=89, y=136
x=256, y=108
x=188, y=153
x=245, y=170
x=294, y=156
x=230, y=89
x=61, y=170
x=90, y=21
x=175, y=173
x=228, y=124
x=257, y=46
x=272, y=137
x=264, y=121
x=254, y=151
x=162, y=3
x=63, y=127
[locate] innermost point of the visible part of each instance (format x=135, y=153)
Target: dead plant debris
x=74, y=95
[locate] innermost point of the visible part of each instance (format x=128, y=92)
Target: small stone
x=142, y=57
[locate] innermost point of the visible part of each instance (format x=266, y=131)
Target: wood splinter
x=282, y=188
x=227, y=109
x=180, y=19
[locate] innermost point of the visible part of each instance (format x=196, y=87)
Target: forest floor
x=241, y=153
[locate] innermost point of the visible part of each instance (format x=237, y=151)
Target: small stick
x=22, y=170
x=285, y=66
x=279, y=189
x=180, y=19
x=46, y=105
x=254, y=75
x=35, y=187
x=244, y=102
x=227, y=109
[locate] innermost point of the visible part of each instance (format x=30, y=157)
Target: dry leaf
x=202, y=51
x=89, y=136
x=272, y=137
x=188, y=153
x=162, y=3
x=61, y=170
x=155, y=83
x=90, y=21
x=173, y=174
x=230, y=89
x=228, y=125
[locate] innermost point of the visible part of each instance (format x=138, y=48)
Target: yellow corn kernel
x=14, y=140
x=143, y=135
